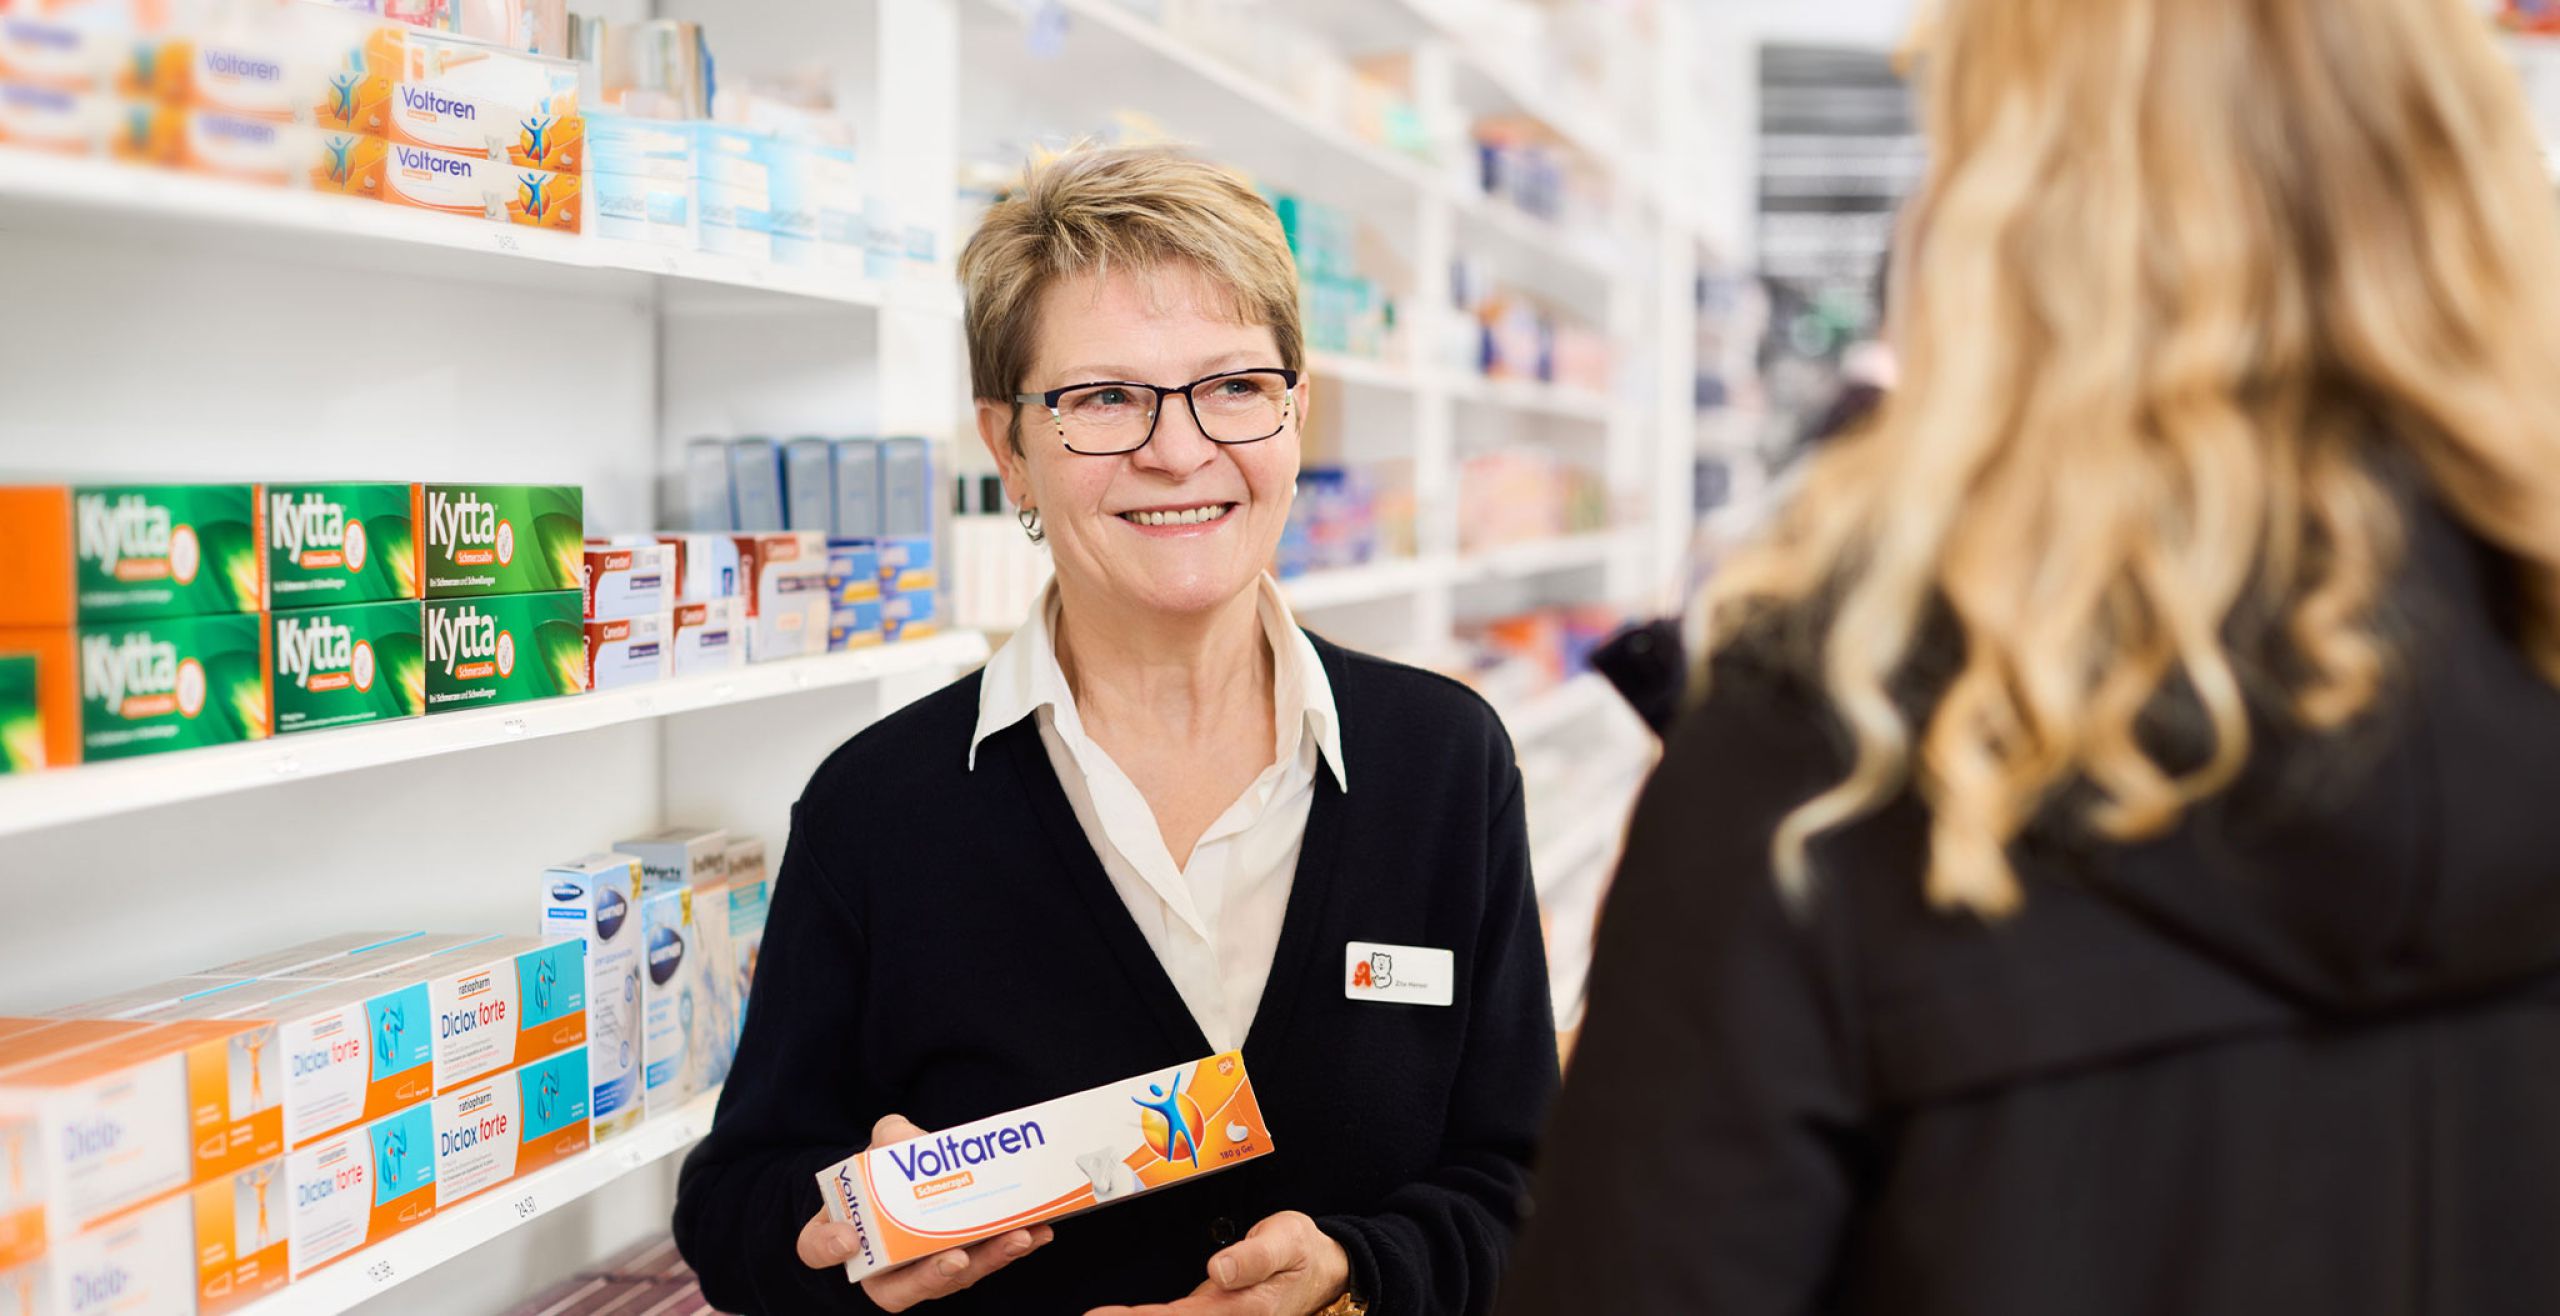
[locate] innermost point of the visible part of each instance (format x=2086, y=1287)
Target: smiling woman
x=1139, y=813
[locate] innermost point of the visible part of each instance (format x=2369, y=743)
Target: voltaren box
x=1062, y=1157
x=505, y=649
x=597, y=900
x=90, y=554
x=628, y=580
x=484, y=539
x=354, y=1189
x=424, y=178
x=21, y=716
x=708, y=637
x=693, y=856
x=206, y=1250
x=115, y=690
x=631, y=651
x=349, y=664
x=510, y=1124
x=670, y=996
x=540, y=131
x=341, y=543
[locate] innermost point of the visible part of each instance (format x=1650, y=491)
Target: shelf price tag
x=527, y=1208
x=381, y=1273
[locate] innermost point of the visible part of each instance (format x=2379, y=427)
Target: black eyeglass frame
x=1155, y=413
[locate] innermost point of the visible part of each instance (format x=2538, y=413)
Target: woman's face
x=1166, y=327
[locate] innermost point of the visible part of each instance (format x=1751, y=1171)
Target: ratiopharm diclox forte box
x=507, y=1003
x=708, y=637
x=504, y=649
x=510, y=1124
x=71, y=554
x=357, y=1188
x=138, y=1001
x=341, y=543
x=484, y=539
x=1058, y=1158
x=628, y=580
x=596, y=900
x=342, y=955
x=343, y=665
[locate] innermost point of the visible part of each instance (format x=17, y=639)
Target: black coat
x=2300, y=1056
x=945, y=945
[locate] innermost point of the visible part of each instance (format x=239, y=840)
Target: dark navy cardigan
x=944, y=944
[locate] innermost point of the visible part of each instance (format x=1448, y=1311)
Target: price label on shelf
x=381, y=1273
x=527, y=1208
x=507, y=242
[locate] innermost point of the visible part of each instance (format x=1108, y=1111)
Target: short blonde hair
x=1093, y=209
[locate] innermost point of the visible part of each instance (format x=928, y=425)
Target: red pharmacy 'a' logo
x=1360, y=974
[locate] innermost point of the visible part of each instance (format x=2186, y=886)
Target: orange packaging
x=134, y=1113
x=425, y=178
x=208, y=1249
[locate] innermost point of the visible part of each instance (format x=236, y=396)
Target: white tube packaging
x=1059, y=1158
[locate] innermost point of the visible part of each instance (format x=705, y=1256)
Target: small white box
x=693, y=856
x=628, y=580
x=708, y=637
x=630, y=651
x=670, y=996
x=597, y=899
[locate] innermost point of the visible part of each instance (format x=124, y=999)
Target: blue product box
x=910, y=615
x=853, y=572
x=640, y=208
x=809, y=485
x=906, y=488
x=755, y=485
x=858, y=488
x=855, y=626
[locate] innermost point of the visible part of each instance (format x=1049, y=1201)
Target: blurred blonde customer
x=2110, y=871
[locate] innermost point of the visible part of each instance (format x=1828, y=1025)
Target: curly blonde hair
x=2186, y=273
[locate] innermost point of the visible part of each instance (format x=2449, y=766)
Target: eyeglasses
x=1113, y=416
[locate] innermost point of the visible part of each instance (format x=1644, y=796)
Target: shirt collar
x=1024, y=677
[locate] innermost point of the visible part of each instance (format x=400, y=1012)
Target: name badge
x=1401, y=975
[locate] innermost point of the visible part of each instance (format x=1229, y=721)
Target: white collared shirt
x=1213, y=923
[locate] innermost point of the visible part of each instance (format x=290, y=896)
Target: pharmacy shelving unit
x=165, y=327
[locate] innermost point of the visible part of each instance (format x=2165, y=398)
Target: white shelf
x=1535, y=239
x=457, y=1229
x=1561, y=707
x=1533, y=397
x=1388, y=579
x=39, y=191
x=1540, y=557
x=71, y=794
x=1339, y=368
x=1166, y=50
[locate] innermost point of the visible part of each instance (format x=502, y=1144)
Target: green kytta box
x=505, y=650
x=85, y=554
x=489, y=539
x=148, y=686
x=21, y=717
x=349, y=664
x=341, y=543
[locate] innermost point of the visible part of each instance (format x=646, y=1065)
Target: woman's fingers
x=893, y=1128
x=825, y=1243
x=946, y=1273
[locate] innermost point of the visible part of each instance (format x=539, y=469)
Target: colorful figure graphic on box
x=1170, y=1117
x=259, y=1179
x=388, y=1026
x=393, y=1156
x=254, y=1045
